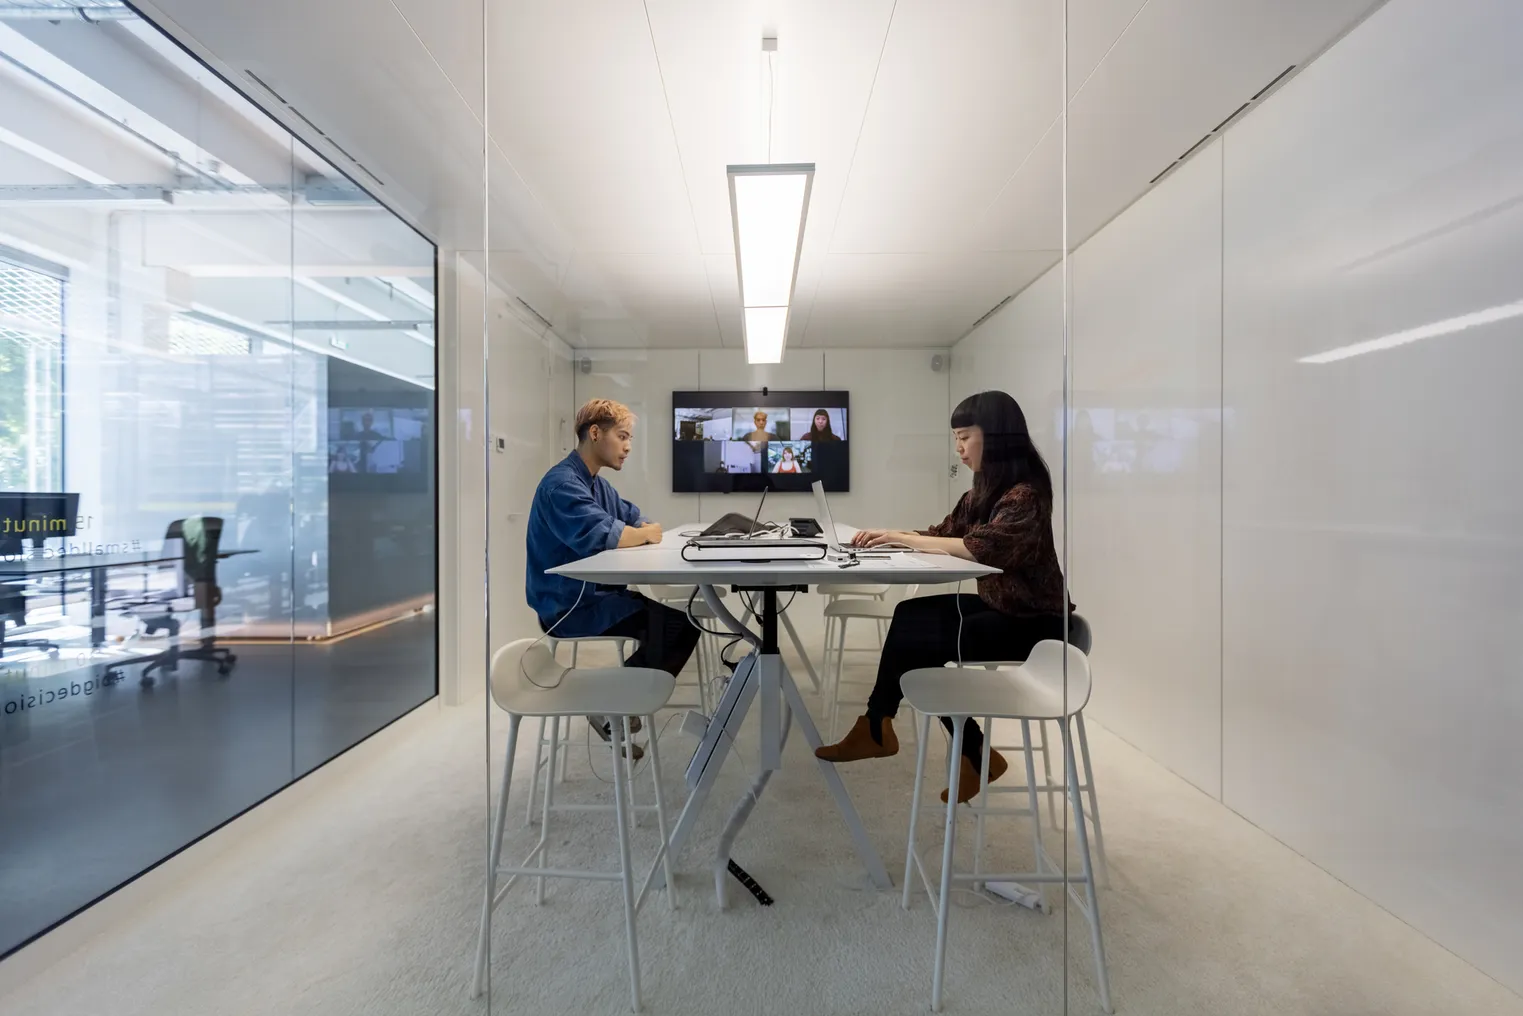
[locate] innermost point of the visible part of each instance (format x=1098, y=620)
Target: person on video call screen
x=819, y=428
x=760, y=435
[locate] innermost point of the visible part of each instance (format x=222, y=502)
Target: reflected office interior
x=217, y=432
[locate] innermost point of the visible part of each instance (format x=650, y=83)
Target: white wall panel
x=644, y=379
x=1144, y=559
x=1374, y=545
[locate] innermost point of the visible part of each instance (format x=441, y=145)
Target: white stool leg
x=909, y=850
x=825, y=654
x=621, y=821
x=835, y=697
x=1102, y=978
x=549, y=802
x=483, y=939
x=1052, y=811
x=565, y=745
x=666, y=853
x=983, y=799
x=539, y=762
x=944, y=901
x=1094, y=803
x=629, y=770
x=1034, y=805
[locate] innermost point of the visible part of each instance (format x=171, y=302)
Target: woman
x=819, y=429
x=787, y=464
x=1005, y=521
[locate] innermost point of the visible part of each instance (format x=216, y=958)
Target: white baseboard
x=127, y=902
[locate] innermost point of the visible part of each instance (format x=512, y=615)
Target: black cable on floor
x=752, y=886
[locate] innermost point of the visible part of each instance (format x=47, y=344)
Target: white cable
x=562, y=676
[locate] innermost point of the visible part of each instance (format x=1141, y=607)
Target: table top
x=662, y=563
x=83, y=562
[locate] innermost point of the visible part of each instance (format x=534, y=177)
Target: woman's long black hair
x=1009, y=456
x=813, y=429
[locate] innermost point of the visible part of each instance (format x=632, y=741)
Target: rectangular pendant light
x=768, y=205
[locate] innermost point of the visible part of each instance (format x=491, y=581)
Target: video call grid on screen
x=724, y=442
x=378, y=447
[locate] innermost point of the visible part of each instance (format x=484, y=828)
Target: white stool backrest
x=520, y=667
x=1079, y=633
x=1043, y=675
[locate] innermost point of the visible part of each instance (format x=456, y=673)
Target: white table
x=762, y=675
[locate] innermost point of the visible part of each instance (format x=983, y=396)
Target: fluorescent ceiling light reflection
x=768, y=207
x=766, y=333
x=1446, y=327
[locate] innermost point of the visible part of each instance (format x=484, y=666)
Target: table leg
x=865, y=849
x=754, y=678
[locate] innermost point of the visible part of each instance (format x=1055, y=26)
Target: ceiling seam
x=1109, y=50
x=486, y=131
x=1069, y=101
x=687, y=186
x=850, y=165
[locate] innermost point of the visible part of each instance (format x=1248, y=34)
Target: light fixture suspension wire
x=771, y=99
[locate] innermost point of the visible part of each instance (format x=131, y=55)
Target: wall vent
x=1216, y=131
x=1278, y=78
x=262, y=84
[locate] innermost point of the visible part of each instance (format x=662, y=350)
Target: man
x=759, y=435
x=576, y=513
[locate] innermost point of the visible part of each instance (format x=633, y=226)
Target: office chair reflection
x=195, y=590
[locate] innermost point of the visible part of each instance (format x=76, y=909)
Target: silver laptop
x=822, y=508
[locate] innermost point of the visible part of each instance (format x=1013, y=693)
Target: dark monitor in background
x=35, y=516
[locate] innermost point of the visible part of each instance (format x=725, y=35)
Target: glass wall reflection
x=217, y=445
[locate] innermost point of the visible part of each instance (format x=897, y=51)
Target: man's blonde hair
x=602, y=413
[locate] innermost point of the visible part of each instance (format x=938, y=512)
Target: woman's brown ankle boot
x=859, y=744
x=967, y=777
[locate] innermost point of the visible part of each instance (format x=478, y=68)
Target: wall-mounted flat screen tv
x=725, y=442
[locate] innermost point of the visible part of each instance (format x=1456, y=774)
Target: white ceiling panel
x=724, y=287
x=717, y=79
x=964, y=93
x=578, y=107
x=1027, y=214
x=1093, y=28
x=911, y=300
x=451, y=32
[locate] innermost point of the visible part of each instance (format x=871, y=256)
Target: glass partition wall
x=217, y=445
x=616, y=277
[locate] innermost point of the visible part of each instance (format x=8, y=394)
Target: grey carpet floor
x=364, y=900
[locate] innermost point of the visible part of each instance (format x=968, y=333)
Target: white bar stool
x=1080, y=636
x=836, y=591
x=839, y=612
x=561, y=748
x=527, y=681
x=1053, y=684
